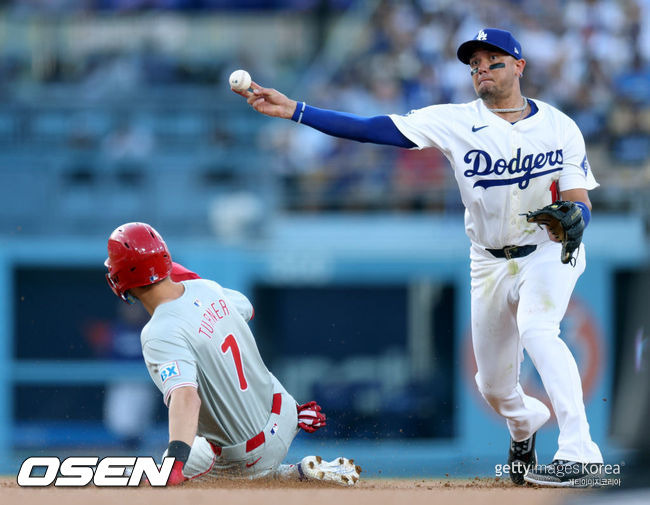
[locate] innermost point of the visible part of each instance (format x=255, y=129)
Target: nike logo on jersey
x=248, y=465
x=528, y=166
x=475, y=129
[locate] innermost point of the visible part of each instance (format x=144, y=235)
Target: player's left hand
x=564, y=223
x=310, y=417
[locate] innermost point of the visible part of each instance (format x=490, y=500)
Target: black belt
x=512, y=251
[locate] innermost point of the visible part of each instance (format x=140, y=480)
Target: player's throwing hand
x=269, y=101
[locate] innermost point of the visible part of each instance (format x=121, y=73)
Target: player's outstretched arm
x=376, y=129
x=269, y=101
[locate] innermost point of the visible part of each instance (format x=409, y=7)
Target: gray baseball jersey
x=202, y=340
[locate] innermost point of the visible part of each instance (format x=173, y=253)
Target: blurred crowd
x=591, y=58
x=149, y=85
x=175, y=5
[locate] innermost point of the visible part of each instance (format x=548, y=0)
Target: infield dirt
x=369, y=491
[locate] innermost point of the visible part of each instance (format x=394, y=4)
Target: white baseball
x=240, y=80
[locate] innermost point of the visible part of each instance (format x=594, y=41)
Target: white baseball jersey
x=202, y=340
x=503, y=170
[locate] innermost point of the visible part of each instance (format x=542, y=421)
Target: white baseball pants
x=518, y=304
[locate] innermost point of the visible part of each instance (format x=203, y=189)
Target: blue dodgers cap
x=491, y=37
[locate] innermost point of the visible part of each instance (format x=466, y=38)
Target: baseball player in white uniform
x=229, y=417
x=510, y=155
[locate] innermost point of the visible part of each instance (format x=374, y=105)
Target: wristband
x=179, y=450
x=297, y=114
x=586, y=214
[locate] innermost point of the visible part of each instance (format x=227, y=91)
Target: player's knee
x=540, y=333
x=496, y=397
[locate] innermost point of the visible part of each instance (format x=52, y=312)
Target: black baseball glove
x=564, y=220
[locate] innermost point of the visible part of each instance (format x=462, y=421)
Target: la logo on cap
x=481, y=35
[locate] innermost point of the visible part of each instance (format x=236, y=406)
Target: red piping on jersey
x=260, y=438
x=277, y=403
x=555, y=193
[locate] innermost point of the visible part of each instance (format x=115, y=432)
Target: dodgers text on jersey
x=481, y=164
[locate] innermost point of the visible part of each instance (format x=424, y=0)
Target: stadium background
x=354, y=256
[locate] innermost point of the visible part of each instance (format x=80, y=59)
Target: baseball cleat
x=521, y=459
x=562, y=473
x=340, y=471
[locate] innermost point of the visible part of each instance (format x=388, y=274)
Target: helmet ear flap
x=114, y=286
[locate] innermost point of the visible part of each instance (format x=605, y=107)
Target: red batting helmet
x=137, y=256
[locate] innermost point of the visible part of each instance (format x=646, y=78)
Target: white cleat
x=340, y=471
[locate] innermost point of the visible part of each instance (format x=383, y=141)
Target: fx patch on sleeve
x=168, y=370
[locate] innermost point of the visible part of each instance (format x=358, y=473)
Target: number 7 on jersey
x=230, y=343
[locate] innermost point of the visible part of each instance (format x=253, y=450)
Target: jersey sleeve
x=170, y=364
x=427, y=127
x=576, y=172
x=242, y=304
